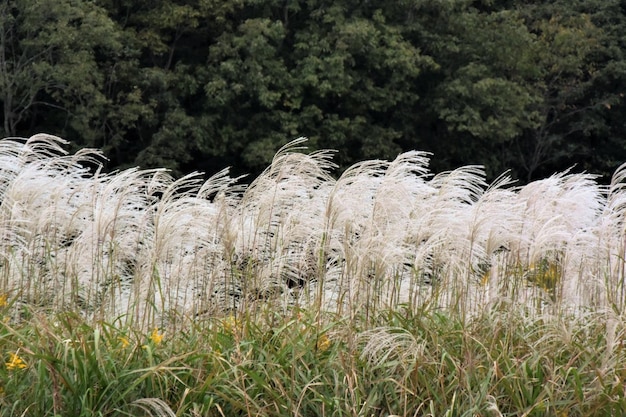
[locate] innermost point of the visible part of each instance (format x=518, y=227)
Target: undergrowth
x=303, y=364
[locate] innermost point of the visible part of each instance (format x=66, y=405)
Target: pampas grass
x=387, y=291
x=141, y=245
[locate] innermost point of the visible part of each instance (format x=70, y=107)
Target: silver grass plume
x=143, y=245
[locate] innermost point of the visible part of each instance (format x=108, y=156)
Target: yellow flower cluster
x=545, y=274
x=231, y=325
x=124, y=341
x=156, y=337
x=15, y=362
x=323, y=343
x=3, y=300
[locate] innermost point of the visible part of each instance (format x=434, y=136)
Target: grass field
x=389, y=291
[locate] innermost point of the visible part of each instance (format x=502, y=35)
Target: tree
x=512, y=86
x=600, y=139
x=202, y=84
x=172, y=40
x=340, y=73
x=566, y=43
x=49, y=63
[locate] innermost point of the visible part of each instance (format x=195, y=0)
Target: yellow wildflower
x=3, y=300
x=15, y=362
x=124, y=341
x=230, y=324
x=155, y=336
x=545, y=274
x=323, y=343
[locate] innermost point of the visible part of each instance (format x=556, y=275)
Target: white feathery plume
x=448, y=225
x=384, y=345
x=35, y=206
x=107, y=252
x=350, y=233
x=398, y=205
x=556, y=208
x=187, y=253
x=141, y=243
x=561, y=216
x=611, y=240
x=280, y=219
x=492, y=222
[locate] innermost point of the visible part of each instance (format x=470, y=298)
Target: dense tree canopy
x=531, y=85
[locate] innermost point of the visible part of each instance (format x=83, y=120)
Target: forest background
x=531, y=86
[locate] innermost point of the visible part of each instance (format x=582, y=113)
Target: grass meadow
x=389, y=291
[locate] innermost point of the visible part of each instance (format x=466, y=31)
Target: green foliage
x=336, y=74
x=50, y=59
x=491, y=72
x=202, y=84
x=300, y=363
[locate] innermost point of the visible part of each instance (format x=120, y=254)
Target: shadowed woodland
x=533, y=87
